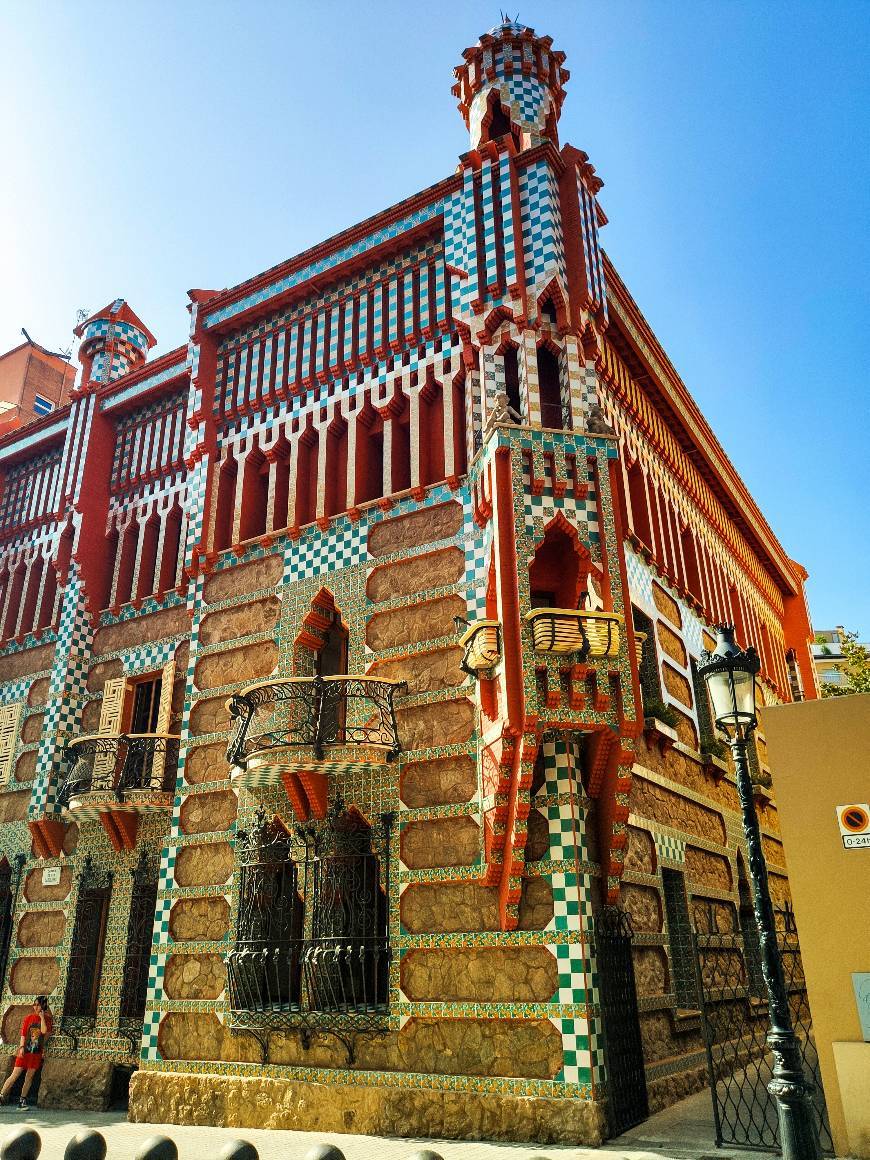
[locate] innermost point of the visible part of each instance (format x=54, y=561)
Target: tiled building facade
x=375, y=910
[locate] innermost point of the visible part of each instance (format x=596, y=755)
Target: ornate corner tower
x=511, y=81
x=114, y=342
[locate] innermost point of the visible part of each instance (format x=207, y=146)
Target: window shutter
x=114, y=695
x=111, y=715
x=10, y=716
x=164, y=711
x=164, y=717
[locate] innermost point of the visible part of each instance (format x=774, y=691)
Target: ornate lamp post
x=730, y=675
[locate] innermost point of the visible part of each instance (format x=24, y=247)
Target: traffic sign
x=854, y=823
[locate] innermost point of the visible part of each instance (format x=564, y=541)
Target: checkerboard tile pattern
x=669, y=848
x=577, y=1053
x=541, y=225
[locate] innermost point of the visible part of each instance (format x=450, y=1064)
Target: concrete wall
x=819, y=752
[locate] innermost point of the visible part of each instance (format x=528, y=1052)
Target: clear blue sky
x=150, y=148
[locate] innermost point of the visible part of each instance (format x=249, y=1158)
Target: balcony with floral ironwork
x=117, y=777
x=295, y=731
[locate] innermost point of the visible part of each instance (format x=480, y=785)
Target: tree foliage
x=856, y=669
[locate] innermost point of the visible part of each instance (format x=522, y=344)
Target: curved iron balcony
x=119, y=764
x=314, y=712
x=593, y=635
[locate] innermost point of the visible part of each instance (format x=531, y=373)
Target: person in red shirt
x=35, y=1029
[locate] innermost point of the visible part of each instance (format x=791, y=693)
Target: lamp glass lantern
x=730, y=675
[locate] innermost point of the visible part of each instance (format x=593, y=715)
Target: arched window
x=369, y=466
x=171, y=549
x=13, y=603
x=690, y=564
x=496, y=122
x=640, y=515
x=110, y=553
x=265, y=966
x=552, y=412
x=460, y=444
x=306, y=478
x=31, y=595
x=557, y=573
x=336, y=467
x=512, y=383
x=226, y=504
x=735, y=602
x=147, y=556
x=400, y=446
x=137, y=952
x=46, y=615
x=84, y=975
x=126, y=562
x=255, y=496
x=431, y=441
x=281, y=492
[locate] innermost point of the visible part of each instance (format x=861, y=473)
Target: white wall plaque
x=51, y=876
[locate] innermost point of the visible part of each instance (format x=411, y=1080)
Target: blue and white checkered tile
x=161, y=921
x=316, y=552
x=559, y=762
x=572, y=908
x=166, y=875
x=150, y=1052
x=669, y=848
x=576, y=1053
x=156, y=972
x=14, y=691
x=564, y=830
x=148, y=657
x=571, y=961
x=639, y=581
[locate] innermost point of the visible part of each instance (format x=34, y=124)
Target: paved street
x=680, y=1133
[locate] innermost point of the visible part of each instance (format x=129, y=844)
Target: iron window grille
x=648, y=669
x=312, y=947
x=137, y=957
x=680, y=938
x=84, y=975
x=8, y=892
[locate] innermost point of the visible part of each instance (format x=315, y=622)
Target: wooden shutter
x=10, y=716
x=164, y=717
x=112, y=712
x=111, y=716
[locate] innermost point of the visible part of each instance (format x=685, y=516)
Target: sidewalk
x=683, y=1132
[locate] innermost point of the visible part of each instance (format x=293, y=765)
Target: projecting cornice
x=708, y=454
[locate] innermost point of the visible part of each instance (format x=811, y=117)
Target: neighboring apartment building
x=828, y=656
x=278, y=830
x=33, y=383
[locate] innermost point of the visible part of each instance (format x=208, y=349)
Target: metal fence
x=736, y=1023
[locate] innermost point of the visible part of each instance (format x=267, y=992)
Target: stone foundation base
x=83, y=1084
x=670, y=1089
x=237, y=1102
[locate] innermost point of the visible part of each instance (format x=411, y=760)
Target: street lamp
x=730, y=675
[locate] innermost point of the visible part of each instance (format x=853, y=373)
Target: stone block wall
x=685, y=816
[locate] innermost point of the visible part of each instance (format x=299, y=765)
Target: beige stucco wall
x=820, y=751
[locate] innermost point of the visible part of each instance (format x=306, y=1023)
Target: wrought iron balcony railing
x=314, y=712
x=119, y=764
